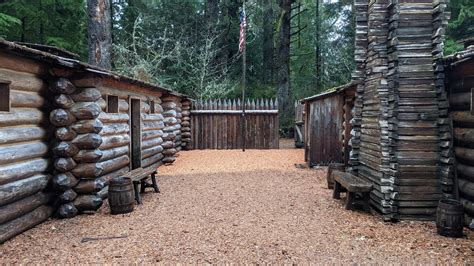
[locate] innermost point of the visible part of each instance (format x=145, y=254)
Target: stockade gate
x=216, y=124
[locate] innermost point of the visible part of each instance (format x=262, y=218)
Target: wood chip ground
x=229, y=206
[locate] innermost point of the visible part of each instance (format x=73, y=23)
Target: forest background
x=295, y=48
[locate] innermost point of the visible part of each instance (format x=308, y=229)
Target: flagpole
x=244, y=84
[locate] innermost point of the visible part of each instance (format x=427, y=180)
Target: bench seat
x=354, y=186
x=139, y=177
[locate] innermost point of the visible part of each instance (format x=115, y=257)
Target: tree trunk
x=318, y=48
x=99, y=33
x=268, y=46
x=284, y=60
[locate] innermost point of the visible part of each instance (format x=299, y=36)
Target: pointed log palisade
x=216, y=124
x=67, y=129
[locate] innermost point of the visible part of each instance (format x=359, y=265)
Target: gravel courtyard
x=229, y=206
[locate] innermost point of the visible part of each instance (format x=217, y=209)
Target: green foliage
x=461, y=25
x=61, y=23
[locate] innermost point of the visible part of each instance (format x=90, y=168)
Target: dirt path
x=229, y=206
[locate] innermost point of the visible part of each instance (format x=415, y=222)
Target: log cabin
x=67, y=128
x=460, y=88
x=328, y=127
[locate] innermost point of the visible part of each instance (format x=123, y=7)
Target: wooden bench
x=354, y=186
x=139, y=177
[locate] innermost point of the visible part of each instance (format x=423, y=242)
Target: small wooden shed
x=67, y=128
x=327, y=125
x=460, y=75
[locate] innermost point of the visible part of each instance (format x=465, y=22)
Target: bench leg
x=366, y=199
x=138, y=197
x=337, y=190
x=155, y=184
x=143, y=185
x=350, y=196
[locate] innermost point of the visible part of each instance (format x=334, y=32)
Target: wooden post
x=244, y=81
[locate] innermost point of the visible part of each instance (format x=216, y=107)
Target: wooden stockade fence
x=216, y=124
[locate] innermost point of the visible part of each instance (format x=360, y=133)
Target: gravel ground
x=229, y=206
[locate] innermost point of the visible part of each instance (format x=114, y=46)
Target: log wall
x=25, y=157
x=461, y=83
x=217, y=125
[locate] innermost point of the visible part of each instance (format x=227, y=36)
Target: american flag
x=243, y=26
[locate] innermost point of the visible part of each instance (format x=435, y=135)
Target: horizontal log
x=102, y=103
x=186, y=113
x=167, y=144
x=123, y=106
x=168, y=137
x=170, y=113
x=151, y=151
x=64, y=165
x=23, y=81
x=67, y=210
x=169, y=121
x=88, y=170
x=152, y=160
x=152, y=117
x=67, y=196
x=63, y=101
x=88, y=126
x=146, y=135
x=65, y=149
x=25, y=222
x=114, y=153
x=62, y=86
x=465, y=155
x=19, y=208
x=115, y=164
x=156, y=125
x=21, y=134
x=61, y=118
x=108, y=118
x=14, y=191
x=86, y=95
x=27, y=99
x=460, y=101
x=465, y=171
x=465, y=119
x=168, y=105
x=16, y=171
x=89, y=186
x=169, y=152
x=464, y=135
x=22, y=152
x=115, y=129
x=144, y=107
x=88, y=141
x=158, y=108
x=107, y=177
x=169, y=160
x=109, y=142
x=65, y=133
x=64, y=181
x=88, y=202
x=186, y=135
x=468, y=206
x=151, y=143
x=86, y=110
x=466, y=188
x=23, y=116
x=88, y=156
x=185, y=124
x=173, y=128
